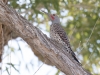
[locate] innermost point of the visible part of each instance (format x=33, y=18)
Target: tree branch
x=1, y=41
x=52, y=52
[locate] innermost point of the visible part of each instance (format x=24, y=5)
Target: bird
x=58, y=34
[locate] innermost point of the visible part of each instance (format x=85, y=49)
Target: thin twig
x=38, y=69
x=89, y=39
x=91, y=33
x=72, y=33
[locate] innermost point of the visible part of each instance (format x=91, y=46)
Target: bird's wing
x=60, y=31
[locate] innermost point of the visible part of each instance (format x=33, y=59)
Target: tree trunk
x=47, y=50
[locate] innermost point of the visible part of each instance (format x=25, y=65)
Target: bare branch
x=1, y=41
x=46, y=49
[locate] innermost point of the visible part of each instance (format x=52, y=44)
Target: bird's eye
x=53, y=14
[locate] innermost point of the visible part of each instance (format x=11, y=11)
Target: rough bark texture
x=1, y=41
x=47, y=50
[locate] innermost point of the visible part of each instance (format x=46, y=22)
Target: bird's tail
x=76, y=59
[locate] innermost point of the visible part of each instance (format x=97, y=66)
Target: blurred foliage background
x=79, y=18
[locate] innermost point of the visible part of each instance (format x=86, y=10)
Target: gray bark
x=49, y=51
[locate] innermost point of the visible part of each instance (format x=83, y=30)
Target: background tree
x=79, y=18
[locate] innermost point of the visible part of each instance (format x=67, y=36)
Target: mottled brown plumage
x=58, y=34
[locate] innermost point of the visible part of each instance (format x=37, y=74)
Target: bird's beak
x=44, y=11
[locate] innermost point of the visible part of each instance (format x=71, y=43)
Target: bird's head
x=53, y=17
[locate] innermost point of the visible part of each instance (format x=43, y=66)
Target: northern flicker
x=57, y=33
